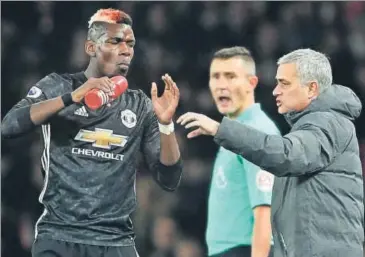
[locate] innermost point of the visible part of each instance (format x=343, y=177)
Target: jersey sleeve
x=17, y=121
x=260, y=184
x=168, y=177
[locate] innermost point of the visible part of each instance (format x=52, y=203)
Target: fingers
x=194, y=123
x=105, y=84
x=187, y=117
x=167, y=79
x=195, y=133
x=154, y=91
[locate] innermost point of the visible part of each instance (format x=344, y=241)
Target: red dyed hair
x=110, y=15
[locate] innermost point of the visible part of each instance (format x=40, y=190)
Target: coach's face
x=114, y=50
x=230, y=84
x=290, y=94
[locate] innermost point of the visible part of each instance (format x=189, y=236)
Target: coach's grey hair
x=311, y=66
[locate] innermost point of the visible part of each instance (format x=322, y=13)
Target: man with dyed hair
x=317, y=202
x=89, y=161
x=240, y=192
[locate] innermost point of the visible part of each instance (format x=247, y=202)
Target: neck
x=92, y=71
x=247, y=104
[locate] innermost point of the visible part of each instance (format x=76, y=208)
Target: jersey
x=237, y=187
x=89, y=163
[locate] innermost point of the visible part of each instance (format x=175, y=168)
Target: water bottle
x=96, y=98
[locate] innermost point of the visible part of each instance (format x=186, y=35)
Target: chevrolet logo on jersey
x=101, y=138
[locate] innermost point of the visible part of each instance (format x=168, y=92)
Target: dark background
x=176, y=38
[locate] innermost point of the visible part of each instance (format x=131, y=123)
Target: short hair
x=102, y=17
x=236, y=51
x=311, y=66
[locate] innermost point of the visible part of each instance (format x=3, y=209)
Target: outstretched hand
x=165, y=105
x=204, y=124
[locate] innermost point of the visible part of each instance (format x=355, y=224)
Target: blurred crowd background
x=178, y=38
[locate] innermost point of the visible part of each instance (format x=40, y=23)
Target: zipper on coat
x=283, y=243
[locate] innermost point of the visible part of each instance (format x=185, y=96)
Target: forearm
x=295, y=154
x=169, y=169
x=170, y=152
x=261, y=235
x=23, y=119
x=260, y=242
x=42, y=111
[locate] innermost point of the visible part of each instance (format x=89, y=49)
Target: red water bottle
x=95, y=98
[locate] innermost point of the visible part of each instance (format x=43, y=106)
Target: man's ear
x=313, y=90
x=90, y=48
x=254, y=80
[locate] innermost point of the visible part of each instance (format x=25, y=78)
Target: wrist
x=67, y=99
x=166, y=129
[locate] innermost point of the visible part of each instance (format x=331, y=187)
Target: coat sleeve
x=167, y=177
x=308, y=149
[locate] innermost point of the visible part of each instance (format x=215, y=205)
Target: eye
x=131, y=43
x=114, y=41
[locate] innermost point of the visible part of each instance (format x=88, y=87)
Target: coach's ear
x=90, y=48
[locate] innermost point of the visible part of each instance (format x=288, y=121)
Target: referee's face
x=232, y=85
x=115, y=50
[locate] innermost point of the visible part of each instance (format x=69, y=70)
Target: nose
x=124, y=49
x=276, y=91
x=221, y=84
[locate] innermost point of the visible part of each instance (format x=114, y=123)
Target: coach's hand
x=165, y=106
x=105, y=84
x=204, y=124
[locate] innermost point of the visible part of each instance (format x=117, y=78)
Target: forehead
x=120, y=30
x=287, y=70
x=234, y=64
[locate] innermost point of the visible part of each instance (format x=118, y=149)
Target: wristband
x=166, y=129
x=67, y=99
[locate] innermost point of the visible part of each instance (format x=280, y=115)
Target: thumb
x=154, y=91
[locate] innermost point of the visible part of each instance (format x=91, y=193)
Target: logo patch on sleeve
x=264, y=181
x=34, y=92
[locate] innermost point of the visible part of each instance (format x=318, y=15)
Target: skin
x=232, y=85
x=290, y=94
x=113, y=52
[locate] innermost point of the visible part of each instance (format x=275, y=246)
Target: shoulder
x=46, y=85
x=325, y=121
x=336, y=129
x=263, y=123
x=139, y=97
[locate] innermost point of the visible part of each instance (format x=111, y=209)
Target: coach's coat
x=317, y=204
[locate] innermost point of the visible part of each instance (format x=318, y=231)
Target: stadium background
x=176, y=38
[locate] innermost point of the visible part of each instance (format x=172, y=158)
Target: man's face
x=115, y=50
x=231, y=84
x=290, y=94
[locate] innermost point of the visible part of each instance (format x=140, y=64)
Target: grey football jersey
x=89, y=163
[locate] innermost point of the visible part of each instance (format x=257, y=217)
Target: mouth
x=124, y=64
x=278, y=103
x=223, y=100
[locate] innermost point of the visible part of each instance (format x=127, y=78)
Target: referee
x=240, y=192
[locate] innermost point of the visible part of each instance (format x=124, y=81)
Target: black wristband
x=67, y=99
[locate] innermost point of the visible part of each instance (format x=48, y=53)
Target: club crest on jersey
x=34, y=92
x=129, y=118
